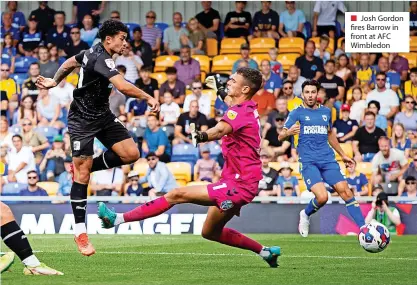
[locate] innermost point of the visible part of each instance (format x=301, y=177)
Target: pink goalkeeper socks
x=233, y=238
x=148, y=210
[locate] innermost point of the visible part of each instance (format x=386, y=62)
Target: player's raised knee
x=132, y=154
x=6, y=214
x=176, y=196
x=208, y=234
x=322, y=198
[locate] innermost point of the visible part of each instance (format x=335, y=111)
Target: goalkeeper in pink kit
x=239, y=130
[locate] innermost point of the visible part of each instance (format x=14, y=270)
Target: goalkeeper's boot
x=84, y=245
x=304, y=224
x=107, y=216
x=41, y=269
x=272, y=258
x=6, y=260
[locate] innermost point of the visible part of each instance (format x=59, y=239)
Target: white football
x=374, y=237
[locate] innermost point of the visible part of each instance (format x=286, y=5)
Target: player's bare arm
x=294, y=130
x=131, y=90
x=334, y=143
x=64, y=70
x=217, y=132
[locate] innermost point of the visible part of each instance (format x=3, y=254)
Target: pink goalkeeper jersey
x=241, y=148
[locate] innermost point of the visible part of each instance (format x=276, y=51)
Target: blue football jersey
x=313, y=144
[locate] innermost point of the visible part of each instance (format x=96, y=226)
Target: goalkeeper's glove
x=197, y=136
x=213, y=82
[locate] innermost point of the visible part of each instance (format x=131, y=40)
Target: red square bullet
x=353, y=18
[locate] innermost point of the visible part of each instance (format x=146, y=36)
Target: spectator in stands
x=334, y=85
x=155, y=140
x=244, y=52
x=8, y=52
x=281, y=150
x=410, y=86
x=33, y=139
x=324, y=18
x=151, y=34
x=147, y=83
x=280, y=108
x=82, y=8
x=380, y=121
x=265, y=22
x=59, y=35
x=32, y=189
x=286, y=180
x=265, y=101
x=383, y=213
x=269, y=176
x=31, y=38
x=288, y=92
x=196, y=37
x=170, y=111
x=399, y=139
x=204, y=100
x=63, y=93
x=359, y=105
x=206, y=168
x=343, y=70
x=291, y=22
x=310, y=66
x=132, y=187
x=4, y=103
x=29, y=85
x=410, y=173
x=54, y=54
x=45, y=15
x=340, y=50
x=273, y=82
x=18, y=18
x=296, y=79
x=107, y=182
x=115, y=15
x=410, y=189
x=9, y=85
x=365, y=141
x=188, y=69
x=7, y=28
x=399, y=64
x=131, y=61
x=238, y=22
x=276, y=66
x=345, y=128
x=47, y=68
x=158, y=176
x=175, y=36
x=141, y=48
x=174, y=86
x=49, y=110
x=65, y=178
x=209, y=20
x=413, y=18
x=137, y=112
x=20, y=161
x=88, y=32
x=53, y=163
x=408, y=117
x=321, y=51
x=364, y=72
x=389, y=164
x=356, y=180
x=386, y=97
x=76, y=45
x=5, y=134
x=182, y=128
x=393, y=80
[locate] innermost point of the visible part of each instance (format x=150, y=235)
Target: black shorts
x=324, y=30
x=108, y=130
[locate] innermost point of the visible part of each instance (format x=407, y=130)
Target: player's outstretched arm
x=285, y=133
x=131, y=90
x=64, y=70
x=217, y=132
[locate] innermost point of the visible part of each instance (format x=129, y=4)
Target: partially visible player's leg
x=13, y=236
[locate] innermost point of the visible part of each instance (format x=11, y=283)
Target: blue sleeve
x=407, y=144
x=373, y=78
x=162, y=138
x=301, y=17
x=278, y=81
x=235, y=66
x=292, y=119
x=130, y=106
x=281, y=70
x=294, y=181
x=363, y=179
x=395, y=78
x=384, y=123
x=278, y=181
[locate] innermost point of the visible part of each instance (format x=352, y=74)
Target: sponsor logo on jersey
x=307, y=118
x=226, y=205
x=76, y=145
x=231, y=114
x=314, y=130
x=110, y=63
x=324, y=118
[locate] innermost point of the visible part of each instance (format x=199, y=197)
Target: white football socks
x=119, y=219
x=80, y=228
x=31, y=261
x=264, y=253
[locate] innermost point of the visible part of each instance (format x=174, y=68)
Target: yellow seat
x=164, y=61
x=258, y=57
x=212, y=47
x=50, y=187
x=411, y=57
x=365, y=168
x=204, y=61
x=141, y=168
x=261, y=45
x=413, y=44
x=339, y=42
x=330, y=48
x=302, y=185
x=294, y=165
x=197, y=183
x=161, y=77
x=231, y=45
x=180, y=170
x=224, y=63
x=342, y=166
x=287, y=60
x=347, y=148
x=290, y=45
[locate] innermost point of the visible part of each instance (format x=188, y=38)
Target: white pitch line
x=236, y=254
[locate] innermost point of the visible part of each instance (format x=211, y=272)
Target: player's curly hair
x=111, y=28
x=253, y=78
x=311, y=83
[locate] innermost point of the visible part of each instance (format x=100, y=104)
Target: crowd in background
x=372, y=98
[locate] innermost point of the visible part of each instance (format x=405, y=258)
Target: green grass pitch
x=188, y=259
